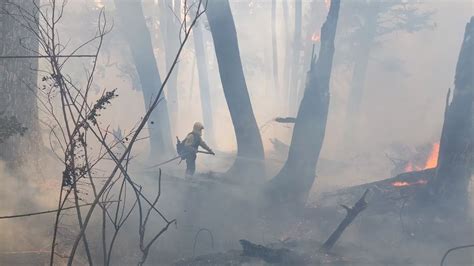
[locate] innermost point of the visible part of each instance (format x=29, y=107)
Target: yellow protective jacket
x=193, y=140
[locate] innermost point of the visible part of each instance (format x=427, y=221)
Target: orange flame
x=432, y=160
x=315, y=37
x=406, y=184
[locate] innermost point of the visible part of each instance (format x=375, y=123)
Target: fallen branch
x=286, y=120
x=352, y=213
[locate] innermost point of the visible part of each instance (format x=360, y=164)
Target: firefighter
x=191, y=144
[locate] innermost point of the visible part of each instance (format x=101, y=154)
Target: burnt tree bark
x=18, y=85
x=250, y=153
x=293, y=183
x=204, y=86
x=311, y=30
x=451, y=181
x=136, y=33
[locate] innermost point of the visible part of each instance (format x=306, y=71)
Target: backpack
x=180, y=149
x=184, y=151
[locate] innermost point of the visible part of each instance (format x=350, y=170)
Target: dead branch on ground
x=351, y=214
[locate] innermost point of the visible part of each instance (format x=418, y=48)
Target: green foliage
x=9, y=126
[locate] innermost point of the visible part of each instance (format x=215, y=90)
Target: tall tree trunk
x=204, y=86
x=250, y=153
x=455, y=160
x=294, y=181
x=276, y=83
x=295, y=65
x=170, y=35
x=286, y=65
x=18, y=85
x=359, y=74
x=136, y=33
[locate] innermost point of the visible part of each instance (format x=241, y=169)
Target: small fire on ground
x=406, y=184
x=431, y=160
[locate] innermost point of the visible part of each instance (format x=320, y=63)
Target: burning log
x=351, y=214
x=385, y=193
x=402, y=180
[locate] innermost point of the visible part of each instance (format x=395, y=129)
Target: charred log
x=387, y=193
x=351, y=214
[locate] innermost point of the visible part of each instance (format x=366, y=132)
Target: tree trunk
x=250, y=153
x=286, y=66
x=451, y=183
x=204, y=86
x=295, y=65
x=170, y=33
x=276, y=83
x=293, y=183
x=308, y=44
x=18, y=85
x=136, y=33
x=359, y=74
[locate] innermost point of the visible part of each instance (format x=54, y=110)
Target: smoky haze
x=401, y=113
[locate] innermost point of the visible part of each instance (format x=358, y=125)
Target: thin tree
x=296, y=53
x=276, y=82
x=136, y=33
x=170, y=16
x=204, y=85
x=287, y=59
